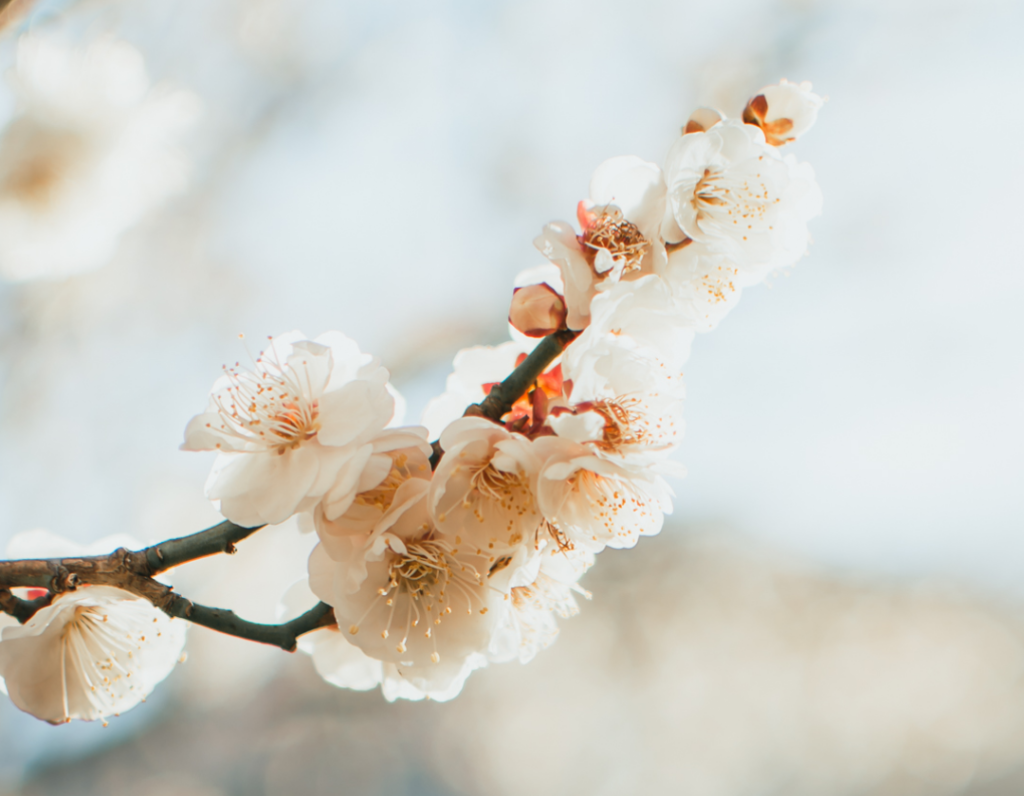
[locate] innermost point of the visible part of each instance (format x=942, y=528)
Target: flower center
x=735, y=198
x=42, y=159
x=273, y=408
x=497, y=484
x=426, y=578
x=382, y=495
x=619, y=237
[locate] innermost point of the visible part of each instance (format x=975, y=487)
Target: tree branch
x=284, y=635
x=502, y=396
x=20, y=609
x=133, y=571
x=218, y=539
x=499, y=401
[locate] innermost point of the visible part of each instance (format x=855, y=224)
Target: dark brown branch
x=20, y=609
x=284, y=635
x=220, y=538
x=125, y=568
x=115, y=570
x=502, y=396
x=499, y=401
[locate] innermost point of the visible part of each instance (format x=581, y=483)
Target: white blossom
x=730, y=190
x=482, y=490
x=595, y=502
x=427, y=603
x=93, y=652
x=784, y=111
x=344, y=665
x=619, y=239
x=642, y=315
x=539, y=597
x=297, y=429
x=705, y=285
x=379, y=482
x=92, y=149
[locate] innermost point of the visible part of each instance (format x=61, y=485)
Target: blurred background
x=836, y=606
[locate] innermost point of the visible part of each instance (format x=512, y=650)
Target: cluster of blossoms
x=435, y=571
x=439, y=558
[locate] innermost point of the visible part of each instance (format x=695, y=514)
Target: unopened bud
x=702, y=120
x=783, y=112
x=537, y=310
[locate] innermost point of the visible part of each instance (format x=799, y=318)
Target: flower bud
x=537, y=310
x=784, y=112
x=702, y=120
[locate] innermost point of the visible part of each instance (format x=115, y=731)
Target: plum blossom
x=375, y=494
x=344, y=665
x=730, y=190
x=539, y=597
x=483, y=489
x=595, y=502
x=91, y=149
x=705, y=285
x=703, y=119
x=642, y=315
x=297, y=429
x=428, y=602
x=784, y=112
x=93, y=652
x=619, y=238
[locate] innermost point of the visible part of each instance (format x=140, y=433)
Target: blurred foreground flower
x=91, y=150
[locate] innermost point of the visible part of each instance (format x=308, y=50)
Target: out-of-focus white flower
x=705, y=285
x=594, y=502
x=620, y=225
x=92, y=652
x=731, y=191
x=428, y=603
x=703, y=119
x=642, y=315
x=784, y=112
x=91, y=150
x=537, y=600
x=298, y=429
x=482, y=491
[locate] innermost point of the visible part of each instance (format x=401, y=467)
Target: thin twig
x=284, y=635
x=499, y=401
x=502, y=396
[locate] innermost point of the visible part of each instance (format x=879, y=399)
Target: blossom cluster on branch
x=437, y=558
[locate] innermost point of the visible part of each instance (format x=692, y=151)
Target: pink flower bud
x=702, y=120
x=537, y=310
x=784, y=111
